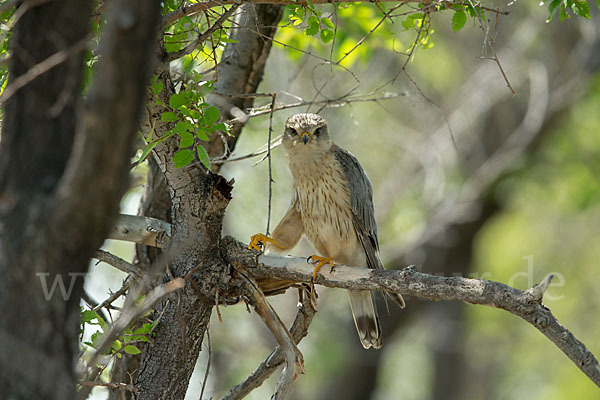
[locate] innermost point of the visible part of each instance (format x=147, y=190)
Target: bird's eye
x=293, y=132
x=318, y=131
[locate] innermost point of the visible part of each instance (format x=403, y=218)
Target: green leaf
x=131, y=349
x=187, y=139
x=145, y=328
x=327, y=22
x=211, y=115
x=581, y=8
x=168, y=116
x=563, y=14
x=183, y=157
x=203, y=156
x=326, y=35
x=87, y=316
x=178, y=99
x=116, y=345
x=413, y=21
x=313, y=26
x=458, y=20
x=157, y=86
x=183, y=126
x=202, y=134
x=553, y=8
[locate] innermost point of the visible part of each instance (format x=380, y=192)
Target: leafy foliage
x=577, y=7
x=192, y=119
x=139, y=332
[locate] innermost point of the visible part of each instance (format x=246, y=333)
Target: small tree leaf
x=183, y=126
x=326, y=35
x=203, y=156
x=211, y=115
x=313, y=26
x=131, y=349
x=187, y=139
x=177, y=100
x=581, y=8
x=458, y=20
x=202, y=134
x=168, y=116
x=327, y=22
x=183, y=157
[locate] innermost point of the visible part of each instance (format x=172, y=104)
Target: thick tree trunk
x=198, y=201
x=62, y=174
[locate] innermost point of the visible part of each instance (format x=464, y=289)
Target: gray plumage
x=332, y=206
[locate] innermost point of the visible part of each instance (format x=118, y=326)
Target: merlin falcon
x=332, y=205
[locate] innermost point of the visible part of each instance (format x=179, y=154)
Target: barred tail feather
x=365, y=318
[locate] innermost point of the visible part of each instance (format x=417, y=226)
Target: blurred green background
x=468, y=179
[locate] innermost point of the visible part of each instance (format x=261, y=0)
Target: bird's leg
x=320, y=261
x=259, y=240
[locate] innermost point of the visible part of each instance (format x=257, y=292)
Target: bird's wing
x=361, y=199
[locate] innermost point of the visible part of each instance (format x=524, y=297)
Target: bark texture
x=59, y=157
x=197, y=199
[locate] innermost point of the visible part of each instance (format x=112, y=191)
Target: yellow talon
x=320, y=261
x=259, y=240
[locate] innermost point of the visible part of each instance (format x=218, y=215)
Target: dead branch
x=115, y=385
x=298, y=330
x=116, y=262
x=294, y=362
x=142, y=230
x=526, y=304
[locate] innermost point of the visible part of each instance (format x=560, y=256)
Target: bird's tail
x=365, y=318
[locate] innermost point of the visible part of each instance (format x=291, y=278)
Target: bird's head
x=306, y=133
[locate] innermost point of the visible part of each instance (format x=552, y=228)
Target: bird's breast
x=324, y=203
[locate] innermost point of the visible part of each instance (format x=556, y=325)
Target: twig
x=115, y=385
x=207, y=365
x=126, y=285
x=195, y=8
x=130, y=313
x=381, y=21
x=494, y=56
x=269, y=158
x=42, y=67
x=201, y=37
x=294, y=362
x=116, y=262
x=298, y=330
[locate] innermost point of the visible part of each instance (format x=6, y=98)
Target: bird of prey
x=332, y=206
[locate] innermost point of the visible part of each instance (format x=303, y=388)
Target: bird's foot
x=320, y=261
x=258, y=241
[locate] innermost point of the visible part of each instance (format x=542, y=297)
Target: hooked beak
x=305, y=137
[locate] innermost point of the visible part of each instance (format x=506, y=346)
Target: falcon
x=332, y=205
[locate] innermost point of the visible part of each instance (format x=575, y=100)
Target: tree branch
x=116, y=262
x=294, y=362
x=202, y=36
x=522, y=303
x=298, y=330
x=142, y=230
x=195, y=8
